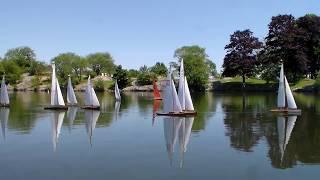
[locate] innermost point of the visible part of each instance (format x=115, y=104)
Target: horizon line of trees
x=295, y=42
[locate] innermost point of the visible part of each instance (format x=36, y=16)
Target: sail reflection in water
x=285, y=126
x=56, y=127
x=4, y=116
x=91, y=117
x=71, y=116
x=174, y=128
x=117, y=109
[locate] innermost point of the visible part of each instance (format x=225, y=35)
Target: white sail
x=56, y=95
x=117, y=91
x=4, y=97
x=290, y=100
x=71, y=115
x=182, y=90
x=188, y=100
x=281, y=91
x=171, y=101
x=90, y=95
x=281, y=126
x=91, y=117
x=71, y=97
x=4, y=116
x=56, y=127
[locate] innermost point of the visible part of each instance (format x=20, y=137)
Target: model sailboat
x=117, y=92
x=71, y=97
x=285, y=126
x=156, y=92
x=90, y=100
x=91, y=117
x=4, y=97
x=57, y=102
x=285, y=101
x=184, y=93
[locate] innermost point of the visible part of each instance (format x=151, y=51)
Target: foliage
x=101, y=63
x=11, y=70
x=145, y=78
x=241, y=57
x=65, y=65
x=38, y=68
x=121, y=75
x=212, y=68
x=159, y=69
x=35, y=82
x=132, y=73
x=22, y=56
x=196, y=68
x=79, y=65
x=99, y=85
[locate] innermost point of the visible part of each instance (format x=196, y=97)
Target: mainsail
x=91, y=117
x=56, y=127
x=117, y=91
x=285, y=97
x=184, y=92
x=4, y=97
x=71, y=97
x=4, y=116
x=56, y=95
x=90, y=95
x=171, y=101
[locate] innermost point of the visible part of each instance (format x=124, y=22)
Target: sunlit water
x=234, y=136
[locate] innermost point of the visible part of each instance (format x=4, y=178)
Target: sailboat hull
x=55, y=107
x=4, y=105
x=287, y=111
x=91, y=107
x=157, y=98
x=180, y=114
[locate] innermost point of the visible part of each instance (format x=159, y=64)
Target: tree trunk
x=243, y=81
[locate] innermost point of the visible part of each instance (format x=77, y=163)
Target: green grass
x=303, y=83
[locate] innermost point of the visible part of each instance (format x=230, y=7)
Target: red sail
x=156, y=92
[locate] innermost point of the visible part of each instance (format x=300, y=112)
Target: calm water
x=233, y=137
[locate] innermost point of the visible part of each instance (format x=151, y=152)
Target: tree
x=79, y=65
x=145, y=76
x=132, y=73
x=310, y=26
x=101, y=63
x=121, y=75
x=11, y=70
x=286, y=41
x=159, y=69
x=241, y=57
x=65, y=65
x=212, y=68
x=37, y=68
x=196, y=68
x=23, y=56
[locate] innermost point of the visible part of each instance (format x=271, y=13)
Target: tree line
x=295, y=42
x=20, y=60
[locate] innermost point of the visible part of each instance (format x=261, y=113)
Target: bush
x=99, y=85
x=144, y=79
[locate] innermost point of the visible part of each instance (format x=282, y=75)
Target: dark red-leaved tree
x=241, y=57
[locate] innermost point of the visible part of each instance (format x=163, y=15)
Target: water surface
x=234, y=136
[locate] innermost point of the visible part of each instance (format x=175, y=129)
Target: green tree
x=121, y=75
x=38, y=68
x=101, y=63
x=159, y=69
x=11, y=70
x=65, y=65
x=79, y=66
x=241, y=57
x=22, y=56
x=133, y=73
x=212, y=68
x=99, y=85
x=196, y=68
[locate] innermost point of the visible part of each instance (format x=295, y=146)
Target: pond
x=234, y=136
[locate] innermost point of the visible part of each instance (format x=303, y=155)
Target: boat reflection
x=117, y=109
x=91, y=117
x=71, y=116
x=285, y=127
x=174, y=128
x=4, y=116
x=57, y=120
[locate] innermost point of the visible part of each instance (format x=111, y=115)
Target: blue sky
x=136, y=32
